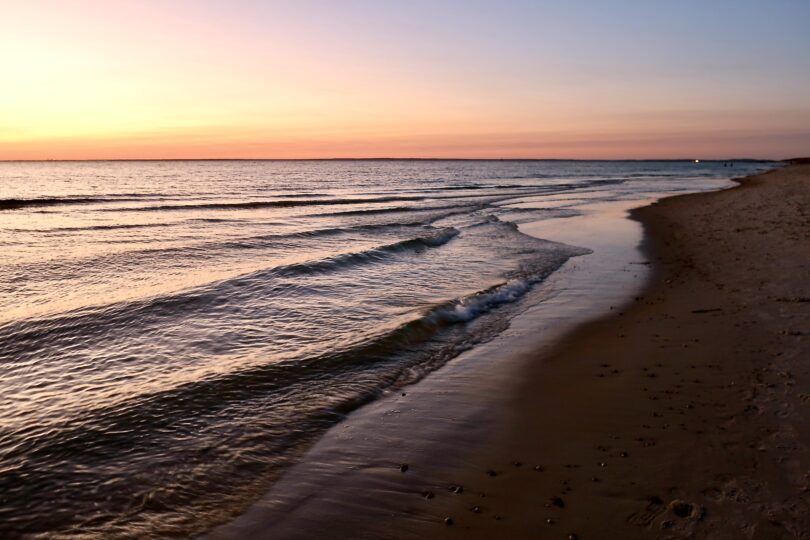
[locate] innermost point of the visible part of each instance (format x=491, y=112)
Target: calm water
x=173, y=334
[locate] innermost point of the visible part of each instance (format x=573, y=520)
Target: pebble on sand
x=448, y=521
x=681, y=508
x=403, y=467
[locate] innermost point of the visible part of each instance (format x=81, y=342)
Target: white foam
x=470, y=307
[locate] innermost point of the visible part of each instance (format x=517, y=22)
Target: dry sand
x=687, y=413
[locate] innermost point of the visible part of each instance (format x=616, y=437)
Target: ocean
x=175, y=334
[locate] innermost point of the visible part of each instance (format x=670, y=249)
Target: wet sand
x=686, y=414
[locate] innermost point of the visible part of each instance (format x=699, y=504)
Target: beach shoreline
x=679, y=415
x=676, y=415
x=349, y=484
x=685, y=413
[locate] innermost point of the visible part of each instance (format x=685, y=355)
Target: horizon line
x=746, y=159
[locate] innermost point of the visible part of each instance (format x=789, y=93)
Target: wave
x=270, y=240
x=289, y=201
x=377, y=254
x=248, y=205
x=220, y=220
x=16, y=204
x=372, y=211
x=27, y=335
x=251, y=241
x=403, y=209
x=300, y=194
x=473, y=306
x=98, y=227
x=462, y=187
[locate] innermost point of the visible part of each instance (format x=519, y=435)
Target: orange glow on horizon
x=434, y=146
x=147, y=80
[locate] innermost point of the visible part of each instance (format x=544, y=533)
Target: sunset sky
x=306, y=78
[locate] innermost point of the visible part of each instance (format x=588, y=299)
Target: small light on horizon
x=697, y=161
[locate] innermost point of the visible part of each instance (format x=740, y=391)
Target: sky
x=584, y=79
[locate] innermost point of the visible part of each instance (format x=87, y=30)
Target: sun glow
x=213, y=79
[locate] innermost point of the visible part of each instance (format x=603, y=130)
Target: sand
x=685, y=414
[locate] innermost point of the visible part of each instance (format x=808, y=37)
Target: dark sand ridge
x=687, y=413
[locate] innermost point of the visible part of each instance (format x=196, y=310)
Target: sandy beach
x=685, y=414
x=682, y=414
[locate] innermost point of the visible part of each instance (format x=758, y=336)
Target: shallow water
x=174, y=334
